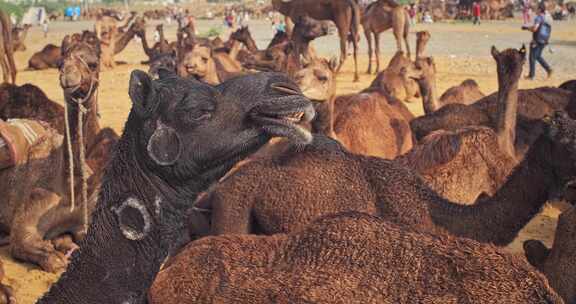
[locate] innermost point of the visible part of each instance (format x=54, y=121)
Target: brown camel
x=288, y=57
x=370, y=122
x=49, y=57
x=6, y=294
x=29, y=101
x=311, y=181
x=381, y=16
x=466, y=93
x=463, y=164
x=533, y=105
x=44, y=202
x=126, y=36
x=252, y=54
x=344, y=13
x=19, y=36
x=396, y=82
x=6, y=49
x=348, y=258
x=207, y=65
x=557, y=263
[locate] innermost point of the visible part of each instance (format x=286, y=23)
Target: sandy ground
x=460, y=50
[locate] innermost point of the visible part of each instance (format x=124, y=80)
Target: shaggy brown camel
x=533, y=105
x=344, y=13
x=6, y=294
x=381, y=16
x=348, y=258
x=49, y=57
x=6, y=49
x=464, y=164
x=466, y=93
x=252, y=53
x=311, y=181
x=557, y=263
x=19, y=36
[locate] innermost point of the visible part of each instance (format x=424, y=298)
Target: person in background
x=45, y=27
x=526, y=12
x=427, y=18
x=412, y=13
x=541, y=31
x=476, y=12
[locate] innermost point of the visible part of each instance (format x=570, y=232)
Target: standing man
x=476, y=11
x=541, y=31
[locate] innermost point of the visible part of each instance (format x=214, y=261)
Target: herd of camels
x=305, y=196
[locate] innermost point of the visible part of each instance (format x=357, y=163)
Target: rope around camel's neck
x=80, y=102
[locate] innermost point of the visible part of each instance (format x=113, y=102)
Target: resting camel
x=466, y=93
x=474, y=161
x=244, y=36
x=169, y=136
x=6, y=49
x=397, y=83
x=569, y=85
x=533, y=104
x=18, y=36
x=49, y=57
x=348, y=258
x=207, y=65
x=286, y=57
x=311, y=180
x=557, y=263
x=381, y=16
x=344, y=13
x=370, y=122
x=47, y=200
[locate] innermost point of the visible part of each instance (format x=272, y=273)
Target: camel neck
x=90, y=128
x=507, y=112
x=251, y=44
x=123, y=41
x=149, y=52
x=499, y=219
x=429, y=101
x=122, y=260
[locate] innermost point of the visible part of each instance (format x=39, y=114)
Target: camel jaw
x=286, y=123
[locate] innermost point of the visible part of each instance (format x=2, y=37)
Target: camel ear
x=523, y=50
x=142, y=93
x=333, y=64
x=495, y=52
x=66, y=42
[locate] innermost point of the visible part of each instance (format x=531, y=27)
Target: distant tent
x=34, y=16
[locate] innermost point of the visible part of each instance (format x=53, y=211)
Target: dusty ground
x=461, y=51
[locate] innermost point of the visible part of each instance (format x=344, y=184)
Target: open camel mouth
x=286, y=123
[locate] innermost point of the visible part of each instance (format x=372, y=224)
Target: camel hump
x=17, y=136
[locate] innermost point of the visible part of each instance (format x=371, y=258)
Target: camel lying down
x=348, y=258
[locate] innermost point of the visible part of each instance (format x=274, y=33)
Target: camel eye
x=323, y=78
x=204, y=59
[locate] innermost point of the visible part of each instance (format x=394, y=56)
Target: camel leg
x=27, y=242
x=5, y=69
x=12, y=64
x=405, y=36
x=377, y=52
x=355, y=46
x=6, y=295
x=369, y=40
x=289, y=25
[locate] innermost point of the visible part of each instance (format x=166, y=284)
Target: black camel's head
x=188, y=128
x=560, y=133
